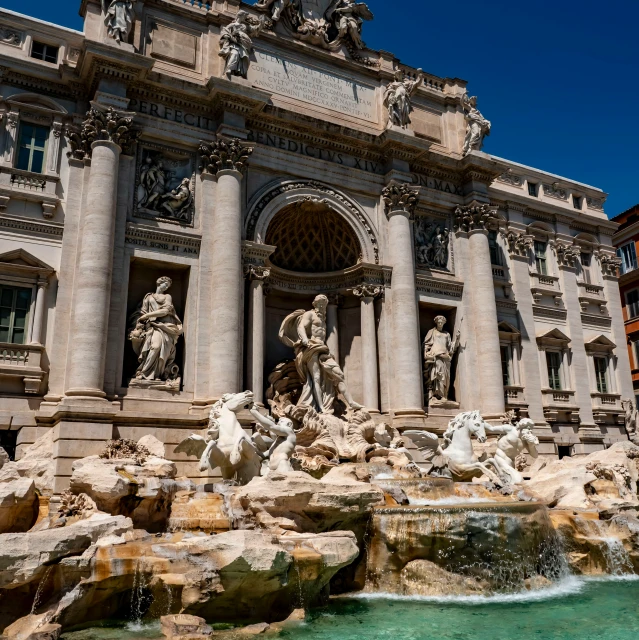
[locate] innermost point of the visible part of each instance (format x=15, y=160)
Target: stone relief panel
x=165, y=184
x=432, y=242
x=173, y=45
x=11, y=36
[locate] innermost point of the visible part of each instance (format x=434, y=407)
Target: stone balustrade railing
x=23, y=362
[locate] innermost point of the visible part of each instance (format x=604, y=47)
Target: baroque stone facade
x=296, y=163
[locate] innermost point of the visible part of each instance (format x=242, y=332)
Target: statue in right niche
x=439, y=349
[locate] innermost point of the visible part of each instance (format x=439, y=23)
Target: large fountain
x=319, y=500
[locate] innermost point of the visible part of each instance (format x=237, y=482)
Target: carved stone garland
x=368, y=291
x=254, y=272
x=99, y=125
x=475, y=217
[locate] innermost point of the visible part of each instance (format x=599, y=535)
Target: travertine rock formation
x=602, y=480
x=36, y=463
x=18, y=504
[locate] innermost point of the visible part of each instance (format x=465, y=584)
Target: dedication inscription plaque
x=314, y=86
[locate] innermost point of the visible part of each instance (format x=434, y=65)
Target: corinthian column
x=406, y=389
x=226, y=159
x=475, y=221
x=257, y=329
x=104, y=135
x=367, y=294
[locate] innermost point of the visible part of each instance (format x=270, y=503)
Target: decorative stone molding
x=400, y=197
x=610, y=265
x=555, y=191
x=253, y=272
x=368, y=291
x=439, y=287
x=11, y=36
x=548, y=313
x=224, y=155
x=25, y=225
x=109, y=125
x=595, y=203
x=510, y=178
x=475, y=217
x=519, y=244
x=152, y=238
x=567, y=255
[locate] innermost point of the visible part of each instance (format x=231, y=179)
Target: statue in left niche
x=155, y=330
x=398, y=98
x=118, y=18
x=236, y=44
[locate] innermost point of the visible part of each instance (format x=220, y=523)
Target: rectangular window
x=495, y=251
x=540, y=258
x=586, y=259
x=533, y=189
x=632, y=303
x=506, y=365
x=576, y=202
x=14, y=314
x=601, y=373
x=628, y=255
x=32, y=147
x=46, y=52
x=553, y=363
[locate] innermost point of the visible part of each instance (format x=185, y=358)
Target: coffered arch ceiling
x=312, y=238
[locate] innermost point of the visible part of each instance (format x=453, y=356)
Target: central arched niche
x=312, y=238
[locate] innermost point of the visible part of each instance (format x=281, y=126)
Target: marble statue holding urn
x=439, y=349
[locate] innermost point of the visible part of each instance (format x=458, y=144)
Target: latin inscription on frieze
x=313, y=86
x=159, y=110
x=437, y=184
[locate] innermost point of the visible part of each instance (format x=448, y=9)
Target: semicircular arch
x=277, y=195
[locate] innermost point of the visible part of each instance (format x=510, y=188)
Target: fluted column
x=367, y=295
x=103, y=136
x=38, y=316
x=406, y=390
x=332, y=326
x=226, y=159
x=257, y=330
x=475, y=221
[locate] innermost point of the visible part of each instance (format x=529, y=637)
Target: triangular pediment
x=22, y=258
x=602, y=341
x=506, y=327
x=555, y=335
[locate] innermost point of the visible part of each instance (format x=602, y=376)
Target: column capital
x=567, y=255
x=106, y=125
x=399, y=197
x=253, y=272
x=228, y=154
x=610, y=265
x=519, y=244
x=475, y=217
x=368, y=291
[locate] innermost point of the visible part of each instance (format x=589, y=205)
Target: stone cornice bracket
x=368, y=291
x=567, y=255
x=399, y=197
x=224, y=155
x=475, y=217
x=102, y=124
x=519, y=244
x=254, y=272
x=610, y=265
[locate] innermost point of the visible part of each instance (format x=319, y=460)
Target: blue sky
x=558, y=80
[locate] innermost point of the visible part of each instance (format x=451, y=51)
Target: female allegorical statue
x=439, y=349
x=156, y=329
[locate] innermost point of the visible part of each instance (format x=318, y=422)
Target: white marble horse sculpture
x=226, y=446
x=458, y=448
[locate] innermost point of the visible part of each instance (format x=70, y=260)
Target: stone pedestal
x=93, y=280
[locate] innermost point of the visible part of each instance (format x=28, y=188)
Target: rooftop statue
x=348, y=16
x=236, y=44
x=516, y=439
x=118, y=18
x=322, y=377
x=397, y=98
x=477, y=127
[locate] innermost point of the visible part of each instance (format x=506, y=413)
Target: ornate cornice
x=224, y=155
x=439, y=287
x=475, y=217
x=400, y=197
x=511, y=178
x=158, y=239
x=30, y=226
x=108, y=125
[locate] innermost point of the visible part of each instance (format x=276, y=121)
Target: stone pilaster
x=104, y=135
x=370, y=370
x=257, y=277
x=37, y=333
x=406, y=385
x=227, y=160
x=332, y=325
x=475, y=221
